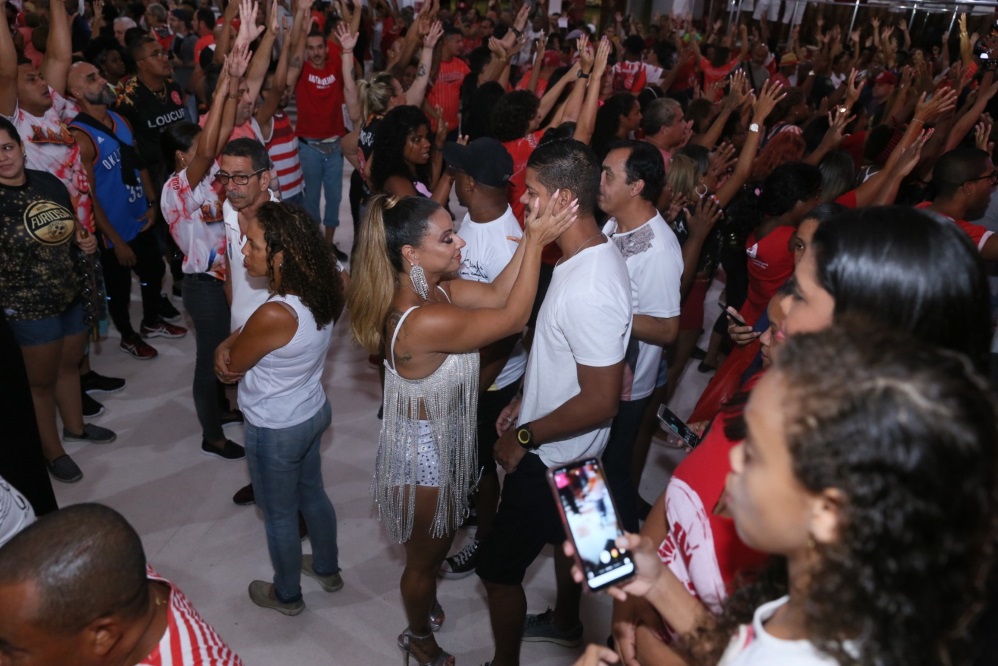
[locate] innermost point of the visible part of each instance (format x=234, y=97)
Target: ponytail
x=389, y=224
x=375, y=95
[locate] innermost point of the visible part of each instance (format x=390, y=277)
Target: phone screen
x=674, y=426
x=590, y=520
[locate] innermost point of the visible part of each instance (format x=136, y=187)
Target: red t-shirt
x=713, y=74
x=976, y=232
x=201, y=44
x=770, y=264
x=520, y=150
x=320, y=98
x=629, y=76
x=446, y=92
x=701, y=547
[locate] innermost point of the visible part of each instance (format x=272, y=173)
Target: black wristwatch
x=525, y=438
x=582, y=75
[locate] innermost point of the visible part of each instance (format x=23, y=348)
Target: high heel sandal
x=437, y=617
x=404, y=643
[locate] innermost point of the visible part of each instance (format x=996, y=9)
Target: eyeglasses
x=156, y=54
x=993, y=177
x=237, y=178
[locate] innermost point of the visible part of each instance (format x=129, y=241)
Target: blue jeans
x=204, y=300
x=323, y=169
x=285, y=468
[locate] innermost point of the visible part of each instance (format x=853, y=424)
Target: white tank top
x=285, y=387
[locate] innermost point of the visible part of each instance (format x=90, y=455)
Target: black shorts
x=490, y=404
x=527, y=520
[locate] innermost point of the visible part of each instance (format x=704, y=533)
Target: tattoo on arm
x=421, y=71
x=295, y=62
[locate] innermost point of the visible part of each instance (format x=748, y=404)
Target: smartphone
x=732, y=314
x=678, y=434
x=590, y=519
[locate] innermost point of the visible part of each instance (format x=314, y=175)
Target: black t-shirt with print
x=37, y=279
x=149, y=113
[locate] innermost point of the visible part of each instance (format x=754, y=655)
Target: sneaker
x=91, y=433
x=91, y=407
x=64, y=469
x=138, y=349
x=94, y=383
x=340, y=254
x=262, y=594
x=161, y=329
x=231, y=416
x=244, y=496
x=229, y=451
x=463, y=562
x=330, y=583
x=166, y=309
x=541, y=629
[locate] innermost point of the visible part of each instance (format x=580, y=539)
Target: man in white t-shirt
x=491, y=233
x=633, y=175
x=244, y=172
x=571, y=391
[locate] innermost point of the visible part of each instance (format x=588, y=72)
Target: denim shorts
x=34, y=332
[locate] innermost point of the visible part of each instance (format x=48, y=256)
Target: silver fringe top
x=449, y=399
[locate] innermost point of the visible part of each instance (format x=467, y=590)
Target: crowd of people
x=840, y=506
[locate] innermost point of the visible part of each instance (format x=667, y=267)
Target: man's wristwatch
x=582, y=75
x=525, y=438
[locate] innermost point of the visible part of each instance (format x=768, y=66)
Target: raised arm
x=570, y=110
x=482, y=313
x=416, y=93
x=966, y=122
x=737, y=95
x=8, y=65
x=261, y=57
x=224, y=43
x=296, y=52
x=535, y=72
x=348, y=40
x=587, y=117
x=58, y=48
x=769, y=96
x=272, y=100
x=209, y=145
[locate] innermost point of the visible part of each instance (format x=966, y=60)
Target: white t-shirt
x=585, y=320
x=655, y=267
x=754, y=646
x=490, y=246
x=248, y=293
x=15, y=512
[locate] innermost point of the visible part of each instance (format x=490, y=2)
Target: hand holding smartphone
x=678, y=434
x=732, y=314
x=590, y=519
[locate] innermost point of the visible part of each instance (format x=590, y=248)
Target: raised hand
x=238, y=61
x=602, y=55
x=913, y=154
x=586, y=55
x=434, y=35
x=930, y=111
x=721, y=160
x=770, y=95
x=703, y=218
x=544, y=227
x=347, y=39
x=738, y=89
x=852, y=88
x=248, y=29
x=837, y=121
x=982, y=133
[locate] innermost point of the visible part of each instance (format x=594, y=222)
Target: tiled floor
x=180, y=503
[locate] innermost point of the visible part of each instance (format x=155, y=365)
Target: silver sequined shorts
x=427, y=463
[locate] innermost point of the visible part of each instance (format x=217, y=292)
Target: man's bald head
x=84, y=562
x=85, y=83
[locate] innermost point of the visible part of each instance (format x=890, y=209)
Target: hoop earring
x=418, y=277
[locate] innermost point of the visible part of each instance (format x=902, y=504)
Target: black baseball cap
x=484, y=159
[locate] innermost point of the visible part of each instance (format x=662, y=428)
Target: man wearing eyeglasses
x=964, y=179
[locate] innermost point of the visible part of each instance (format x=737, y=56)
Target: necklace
x=579, y=249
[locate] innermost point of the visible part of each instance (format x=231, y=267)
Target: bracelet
x=516, y=32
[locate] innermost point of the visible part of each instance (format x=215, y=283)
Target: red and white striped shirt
x=283, y=149
x=189, y=640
